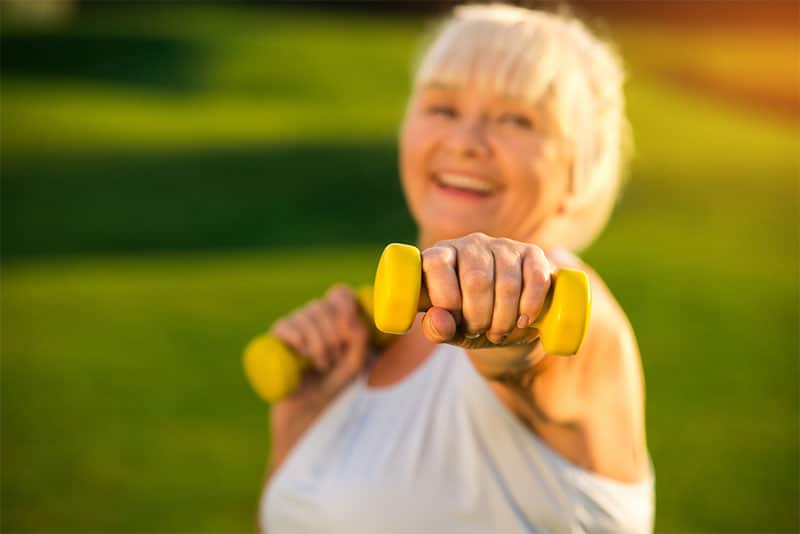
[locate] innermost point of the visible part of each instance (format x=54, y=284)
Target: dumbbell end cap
x=567, y=321
x=398, y=280
x=272, y=370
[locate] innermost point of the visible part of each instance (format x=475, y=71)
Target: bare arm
x=589, y=407
x=331, y=334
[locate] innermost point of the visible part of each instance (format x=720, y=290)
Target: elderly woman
x=511, y=153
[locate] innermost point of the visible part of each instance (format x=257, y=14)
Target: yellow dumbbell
x=274, y=370
x=399, y=295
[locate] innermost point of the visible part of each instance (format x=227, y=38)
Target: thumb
x=438, y=325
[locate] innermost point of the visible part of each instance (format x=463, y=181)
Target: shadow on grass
x=303, y=195
x=145, y=62
x=195, y=200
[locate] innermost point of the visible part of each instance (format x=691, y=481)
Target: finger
x=352, y=357
x=438, y=325
x=356, y=344
x=476, y=279
x=322, y=314
x=314, y=344
x=346, y=312
x=439, y=265
x=507, y=291
x=535, y=285
x=343, y=300
x=288, y=333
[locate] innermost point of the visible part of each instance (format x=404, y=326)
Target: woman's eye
x=444, y=110
x=517, y=120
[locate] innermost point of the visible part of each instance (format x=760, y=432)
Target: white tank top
x=439, y=452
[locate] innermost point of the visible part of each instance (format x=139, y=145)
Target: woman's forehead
x=470, y=89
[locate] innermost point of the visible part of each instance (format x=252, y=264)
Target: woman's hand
x=481, y=285
x=331, y=333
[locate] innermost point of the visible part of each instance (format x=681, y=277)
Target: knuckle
x=298, y=317
x=478, y=236
x=511, y=251
x=339, y=292
x=279, y=326
x=505, y=243
x=438, y=256
x=343, y=309
x=537, y=274
x=472, y=241
x=475, y=280
x=340, y=288
x=308, y=316
x=535, y=251
x=311, y=306
x=323, y=311
x=327, y=307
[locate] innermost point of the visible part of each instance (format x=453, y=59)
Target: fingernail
x=471, y=335
x=523, y=321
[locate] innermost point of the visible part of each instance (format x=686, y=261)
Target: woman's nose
x=468, y=138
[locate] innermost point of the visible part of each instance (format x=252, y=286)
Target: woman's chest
x=440, y=459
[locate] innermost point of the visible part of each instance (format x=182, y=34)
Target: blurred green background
x=176, y=176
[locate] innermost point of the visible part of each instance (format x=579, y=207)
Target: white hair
x=527, y=55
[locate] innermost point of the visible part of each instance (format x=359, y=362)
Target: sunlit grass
x=91, y=119
x=758, y=57
x=270, y=76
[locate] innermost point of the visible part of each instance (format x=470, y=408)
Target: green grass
x=124, y=403
x=196, y=77
x=160, y=210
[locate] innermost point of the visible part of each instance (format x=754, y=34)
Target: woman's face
x=474, y=161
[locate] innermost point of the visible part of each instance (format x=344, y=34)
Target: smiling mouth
x=465, y=185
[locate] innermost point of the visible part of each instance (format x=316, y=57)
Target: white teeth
x=465, y=182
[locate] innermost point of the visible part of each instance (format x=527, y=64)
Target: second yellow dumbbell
x=274, y=370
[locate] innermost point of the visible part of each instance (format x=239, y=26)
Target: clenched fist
x=481, y=285
x=332, y=334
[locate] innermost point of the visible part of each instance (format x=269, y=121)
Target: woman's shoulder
x=605, y=307
x=607, y=377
